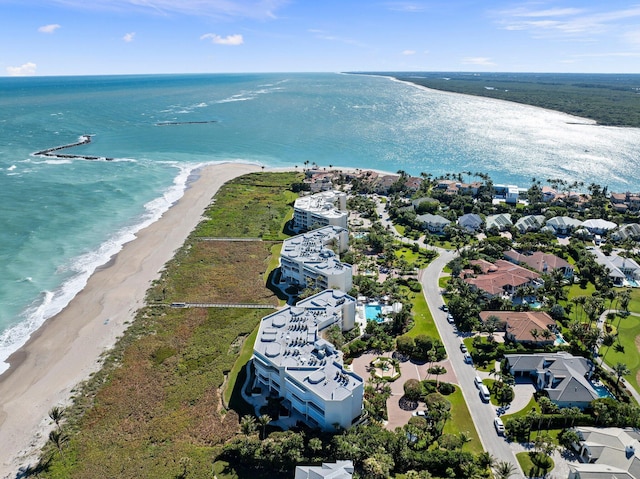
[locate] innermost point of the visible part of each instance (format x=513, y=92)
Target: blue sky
x=86, y=37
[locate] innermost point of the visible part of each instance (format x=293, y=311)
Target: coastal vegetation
x=155, y=409
x=168, y=401
x=611, y=100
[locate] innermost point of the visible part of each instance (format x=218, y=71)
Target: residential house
x=623, y=202
x=606, y=453
x=471, y=222
x=548, y=194
x=433, y=223
x=509, y=193
x=384, y=182
x=628, y=231
x=502, y=278
x=518, y=325
x=294, y=362
x=541, y=262
x=308, y=260
x=322, y=209
x=530, y=223
x=564, y=377
x=599, y=226
x=333, y=470
x=320, y=182
x=620, y=269
x=413, y=183
x=563, y=225
x=502, y=221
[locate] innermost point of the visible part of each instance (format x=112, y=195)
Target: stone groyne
x=53, y=152
x=171, y=123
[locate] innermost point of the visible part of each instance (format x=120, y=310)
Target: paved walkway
x=408, y=370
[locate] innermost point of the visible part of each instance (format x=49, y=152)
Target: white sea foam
x=50, y=303
x=56, y=162
x=11, y=168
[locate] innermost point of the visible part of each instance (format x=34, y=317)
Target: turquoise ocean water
x=61, y=218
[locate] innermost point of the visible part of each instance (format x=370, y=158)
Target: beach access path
x=68, y=347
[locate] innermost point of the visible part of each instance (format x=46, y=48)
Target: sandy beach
x=68, y=347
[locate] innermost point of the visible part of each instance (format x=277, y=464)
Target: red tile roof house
x=541, y=262
x=518, y=325
x=502, y=278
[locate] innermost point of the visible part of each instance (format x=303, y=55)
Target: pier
x=84, y=139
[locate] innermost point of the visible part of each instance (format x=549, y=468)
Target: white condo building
x=308, y=260
x=321, y=209
x=293, y=361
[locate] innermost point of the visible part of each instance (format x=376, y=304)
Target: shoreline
x=68, y=347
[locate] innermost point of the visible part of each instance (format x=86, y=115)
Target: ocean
x=62, y=218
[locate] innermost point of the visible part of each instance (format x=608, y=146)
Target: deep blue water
x=61, y=218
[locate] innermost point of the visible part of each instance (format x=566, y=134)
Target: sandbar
x=68, y=347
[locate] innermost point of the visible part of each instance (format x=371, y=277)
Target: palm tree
x=504, y=470
x=437, y=370
x=56, y=413
x=248, y=425
x=58, y=439
x=464, y=438
x=607, y=340
x=535, y=333
x=621, y=369
x=264, y=420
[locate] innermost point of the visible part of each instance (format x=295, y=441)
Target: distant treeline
x=609, y=99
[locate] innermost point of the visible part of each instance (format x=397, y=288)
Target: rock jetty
x=53, y=152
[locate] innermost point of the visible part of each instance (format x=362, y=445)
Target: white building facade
x=310, y=259
x=293, y=361
x=328, y=208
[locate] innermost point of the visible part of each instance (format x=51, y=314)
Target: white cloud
x=128, y=37
x=49, y=28
x=228, y=40
x=23, y=70
x=572, y=23
x=484, y=61
x=408, y=52
x=259, y=9
x=409, y=7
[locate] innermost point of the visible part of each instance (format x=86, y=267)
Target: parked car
x=499, y=425
x=467, y=358
x=450, y=318
x=421, y=413
x=463, y=347
x=444, y=308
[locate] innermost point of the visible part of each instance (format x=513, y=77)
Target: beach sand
x=68, y=347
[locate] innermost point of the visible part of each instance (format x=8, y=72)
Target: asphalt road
x=482, y=413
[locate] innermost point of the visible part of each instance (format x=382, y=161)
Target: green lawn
x=628, y=332
x=241, y=361
x=443, y=281
x=461, y=421
x=400, y=229
x=524, y=459
x=634, y=304
x=423, y=320
x=532, y=406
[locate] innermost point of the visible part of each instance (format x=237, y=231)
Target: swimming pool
x=559, y=339
x=372, y=312
x=602, y=391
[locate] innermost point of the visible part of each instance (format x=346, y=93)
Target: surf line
x=84, y=140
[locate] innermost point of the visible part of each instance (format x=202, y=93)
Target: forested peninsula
x=609, y=99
